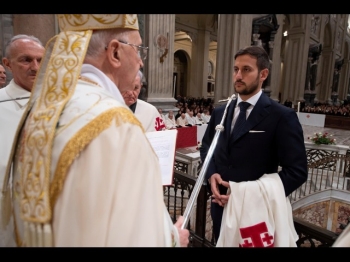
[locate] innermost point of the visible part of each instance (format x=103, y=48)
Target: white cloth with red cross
x=258, y=214
x=149, y=116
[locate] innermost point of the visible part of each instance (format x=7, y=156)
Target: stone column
x=41, y=26
x=346, y=81
x=343, y=90
x=158, y=68
x=199, y=68
x=234, y=32
x=324, y=91
x=295, y=59
x=267, y=88
x=348, y=94
x=275, y=50
x=6, y=32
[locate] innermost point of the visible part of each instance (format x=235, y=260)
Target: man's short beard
x=248, y=89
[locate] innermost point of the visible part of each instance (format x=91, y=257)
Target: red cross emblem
x=256, y=236
x=159, y=124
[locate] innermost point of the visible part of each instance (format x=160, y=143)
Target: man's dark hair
x=258, y=52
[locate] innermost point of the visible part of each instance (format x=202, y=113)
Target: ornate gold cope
x=58, y=85
x=54, y=85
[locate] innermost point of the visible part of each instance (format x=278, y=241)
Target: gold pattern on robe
x=81, y=139
x=58, y=84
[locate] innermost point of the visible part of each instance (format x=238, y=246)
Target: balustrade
x=328, y=168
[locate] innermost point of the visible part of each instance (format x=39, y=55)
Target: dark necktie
x=242, y=118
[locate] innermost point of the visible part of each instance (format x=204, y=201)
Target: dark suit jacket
x=253, y=154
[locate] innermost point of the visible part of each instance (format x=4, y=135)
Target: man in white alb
x=81, y=141
x=147, y=113
x=23, y=54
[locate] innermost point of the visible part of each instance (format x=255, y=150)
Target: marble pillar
x=41, y=26
x=234, y=32
x=199, y=62
x=6, y=32
x=267, y=89
x=324, y=91
x=275, y=74
x=295, y=59
x=158, y=67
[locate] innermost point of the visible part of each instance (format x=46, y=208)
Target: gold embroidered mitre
x=54, y=85
x=97, y=21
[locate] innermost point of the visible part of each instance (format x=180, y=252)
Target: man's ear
x=6, y=63
x=264, y=74
x=113, y=52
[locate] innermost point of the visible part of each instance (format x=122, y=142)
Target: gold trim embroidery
x=86, y=79
x=81, y=139
x=58, y=84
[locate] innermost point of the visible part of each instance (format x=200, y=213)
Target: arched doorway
x=211, y=80
x=180, y=74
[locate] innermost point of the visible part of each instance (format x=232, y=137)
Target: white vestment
x=258, y=214
x=199, y=121
x=205, y=118
x=10, y=114
x=170, y=123
x=100, y=197
x=181, y=121
x=149, y=116
x=191, y=120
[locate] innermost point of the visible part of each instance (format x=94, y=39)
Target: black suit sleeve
x=291, y=152
x=206, y=143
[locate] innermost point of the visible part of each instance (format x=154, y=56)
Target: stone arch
x=181, y=73
x=211, y=78
x=328, y=37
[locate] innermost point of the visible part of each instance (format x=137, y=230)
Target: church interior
x=191, y=55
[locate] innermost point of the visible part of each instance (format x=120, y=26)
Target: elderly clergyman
x=75, y=182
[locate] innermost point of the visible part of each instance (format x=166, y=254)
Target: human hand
x=183, y=233
x=215, y=181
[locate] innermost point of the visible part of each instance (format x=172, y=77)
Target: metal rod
x=17, y=98
x=219, y=128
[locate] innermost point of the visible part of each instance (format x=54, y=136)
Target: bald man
x=23, y=54
x=147, y=113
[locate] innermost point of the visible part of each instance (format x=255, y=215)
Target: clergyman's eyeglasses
x=141, y=50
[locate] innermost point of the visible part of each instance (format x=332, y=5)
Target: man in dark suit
x=271, y=137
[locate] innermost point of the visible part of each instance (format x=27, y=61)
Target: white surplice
x=102, y=198
x=170, y=123
x=10, y=115
x=149, y=116
x=258, y=214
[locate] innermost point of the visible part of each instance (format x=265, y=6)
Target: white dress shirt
x=252, y=101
